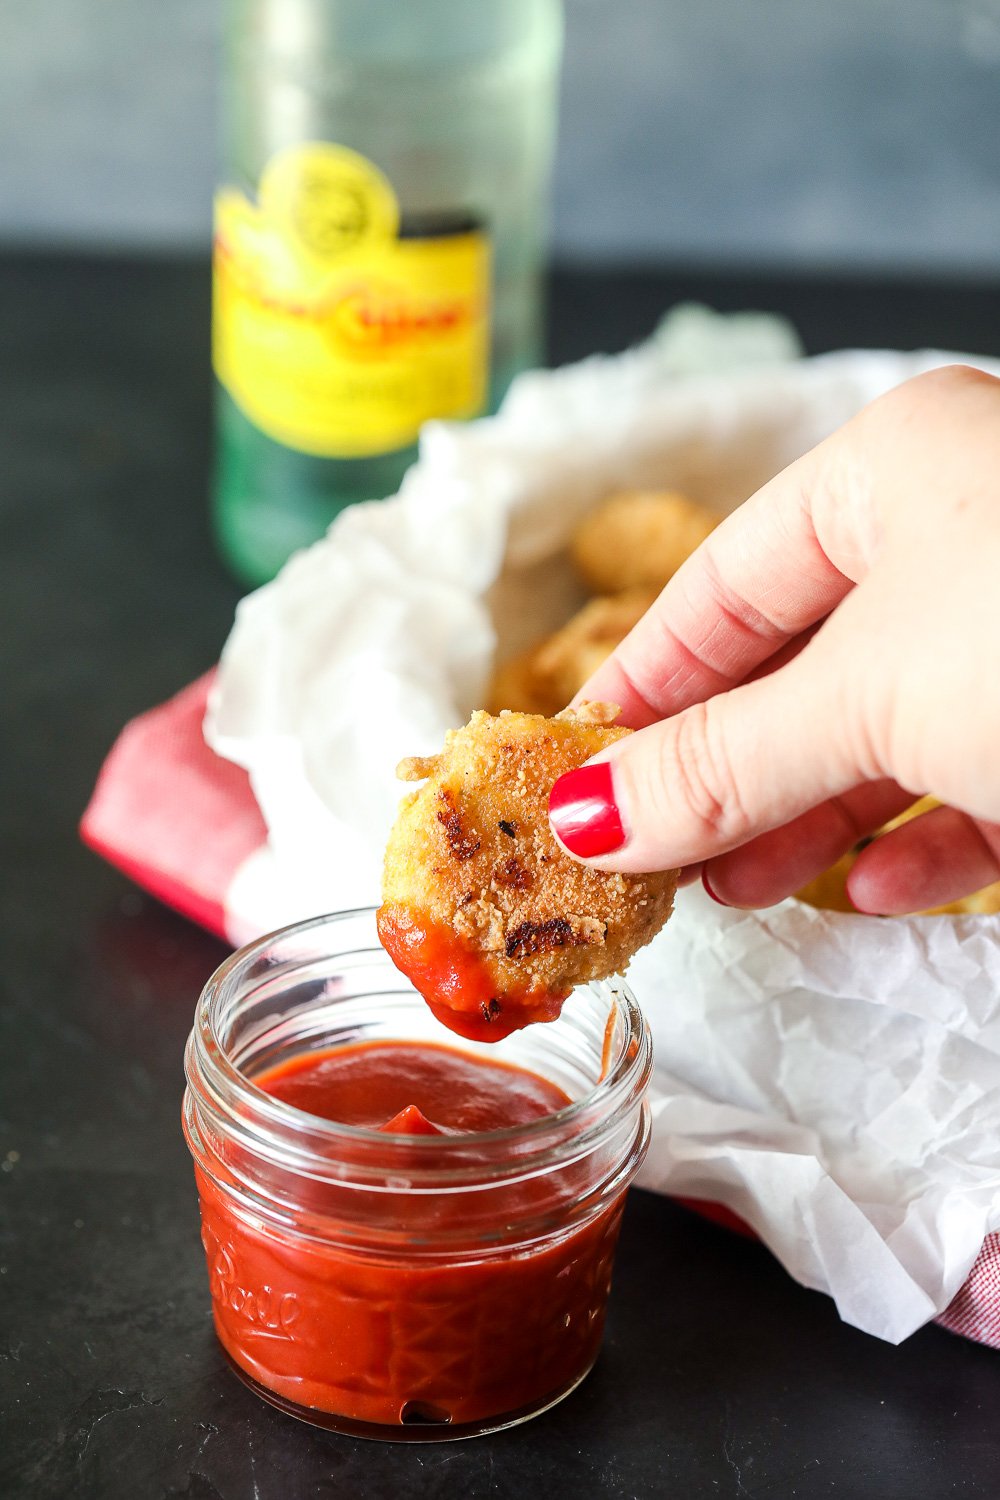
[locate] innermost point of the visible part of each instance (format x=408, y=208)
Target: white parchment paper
x=834, y=1079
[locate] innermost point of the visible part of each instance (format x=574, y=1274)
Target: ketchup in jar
x=407, y=1237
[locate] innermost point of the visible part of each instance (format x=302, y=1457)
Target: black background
x=720, y=1377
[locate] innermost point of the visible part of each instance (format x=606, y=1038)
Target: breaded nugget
x=638, y=539
x=481, y=909
x=828, y=892
x=519, y=685
x=545, y=678
x=570, y=656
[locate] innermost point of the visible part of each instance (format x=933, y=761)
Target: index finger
x=760, y=579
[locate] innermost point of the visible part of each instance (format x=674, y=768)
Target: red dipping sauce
x=404, y=1239
x=376, y=1083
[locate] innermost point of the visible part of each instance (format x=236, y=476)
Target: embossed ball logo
x=267, y=1307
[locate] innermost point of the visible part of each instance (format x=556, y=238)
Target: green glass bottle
x=379, y=241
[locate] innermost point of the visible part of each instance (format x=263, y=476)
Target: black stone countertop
x=720, y=1377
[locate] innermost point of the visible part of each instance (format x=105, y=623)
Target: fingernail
x=709, y=892
x=584, y=813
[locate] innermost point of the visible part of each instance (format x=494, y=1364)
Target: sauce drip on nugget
x=481, y=909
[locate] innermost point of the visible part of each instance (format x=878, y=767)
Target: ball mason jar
x=401, y=1287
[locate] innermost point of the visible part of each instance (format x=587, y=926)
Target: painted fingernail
x=584, y=813
x=709, y=892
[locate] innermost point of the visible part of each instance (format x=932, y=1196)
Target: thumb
x=719, y=773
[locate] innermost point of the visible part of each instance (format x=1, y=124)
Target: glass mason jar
x=405, y=1287
x=380, y=230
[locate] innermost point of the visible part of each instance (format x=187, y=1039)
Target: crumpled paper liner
x=834, y=1079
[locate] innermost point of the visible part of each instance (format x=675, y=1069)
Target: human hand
x=830, y=653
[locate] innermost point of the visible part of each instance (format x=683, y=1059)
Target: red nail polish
x=709, y=892
x=583, y=811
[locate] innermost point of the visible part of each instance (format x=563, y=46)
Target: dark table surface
x=720, y=1377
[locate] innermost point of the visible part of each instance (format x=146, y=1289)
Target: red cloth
x=171, y=814
x=180, y=822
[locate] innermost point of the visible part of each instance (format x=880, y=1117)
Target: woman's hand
x=831, y=652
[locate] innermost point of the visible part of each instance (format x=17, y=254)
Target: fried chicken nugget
x=543, y=679
x=638, y=539
x=520, y=686
x=481, y=909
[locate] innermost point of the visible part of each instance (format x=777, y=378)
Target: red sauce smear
x=456, y=981
x=389, y=1334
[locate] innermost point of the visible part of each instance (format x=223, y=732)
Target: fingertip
x=865, y=888
x=855, y=896
x=741, y=883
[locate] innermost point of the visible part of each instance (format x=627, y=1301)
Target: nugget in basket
x=624, y=552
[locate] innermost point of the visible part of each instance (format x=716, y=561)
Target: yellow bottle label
x=332, y=331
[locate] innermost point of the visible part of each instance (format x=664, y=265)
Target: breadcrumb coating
x=545, y=678
x=494, y=923
x=639, y=538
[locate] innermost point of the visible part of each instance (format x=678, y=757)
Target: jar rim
x=210, y=1069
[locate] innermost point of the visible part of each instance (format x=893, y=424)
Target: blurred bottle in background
x=378, y=244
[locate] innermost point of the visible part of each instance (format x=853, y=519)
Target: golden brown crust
x=472, y=850
x=417, y=767
x=518, y=685
x=626, y=550
x=639, y=538
x=544, y=678
x=589, y=712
